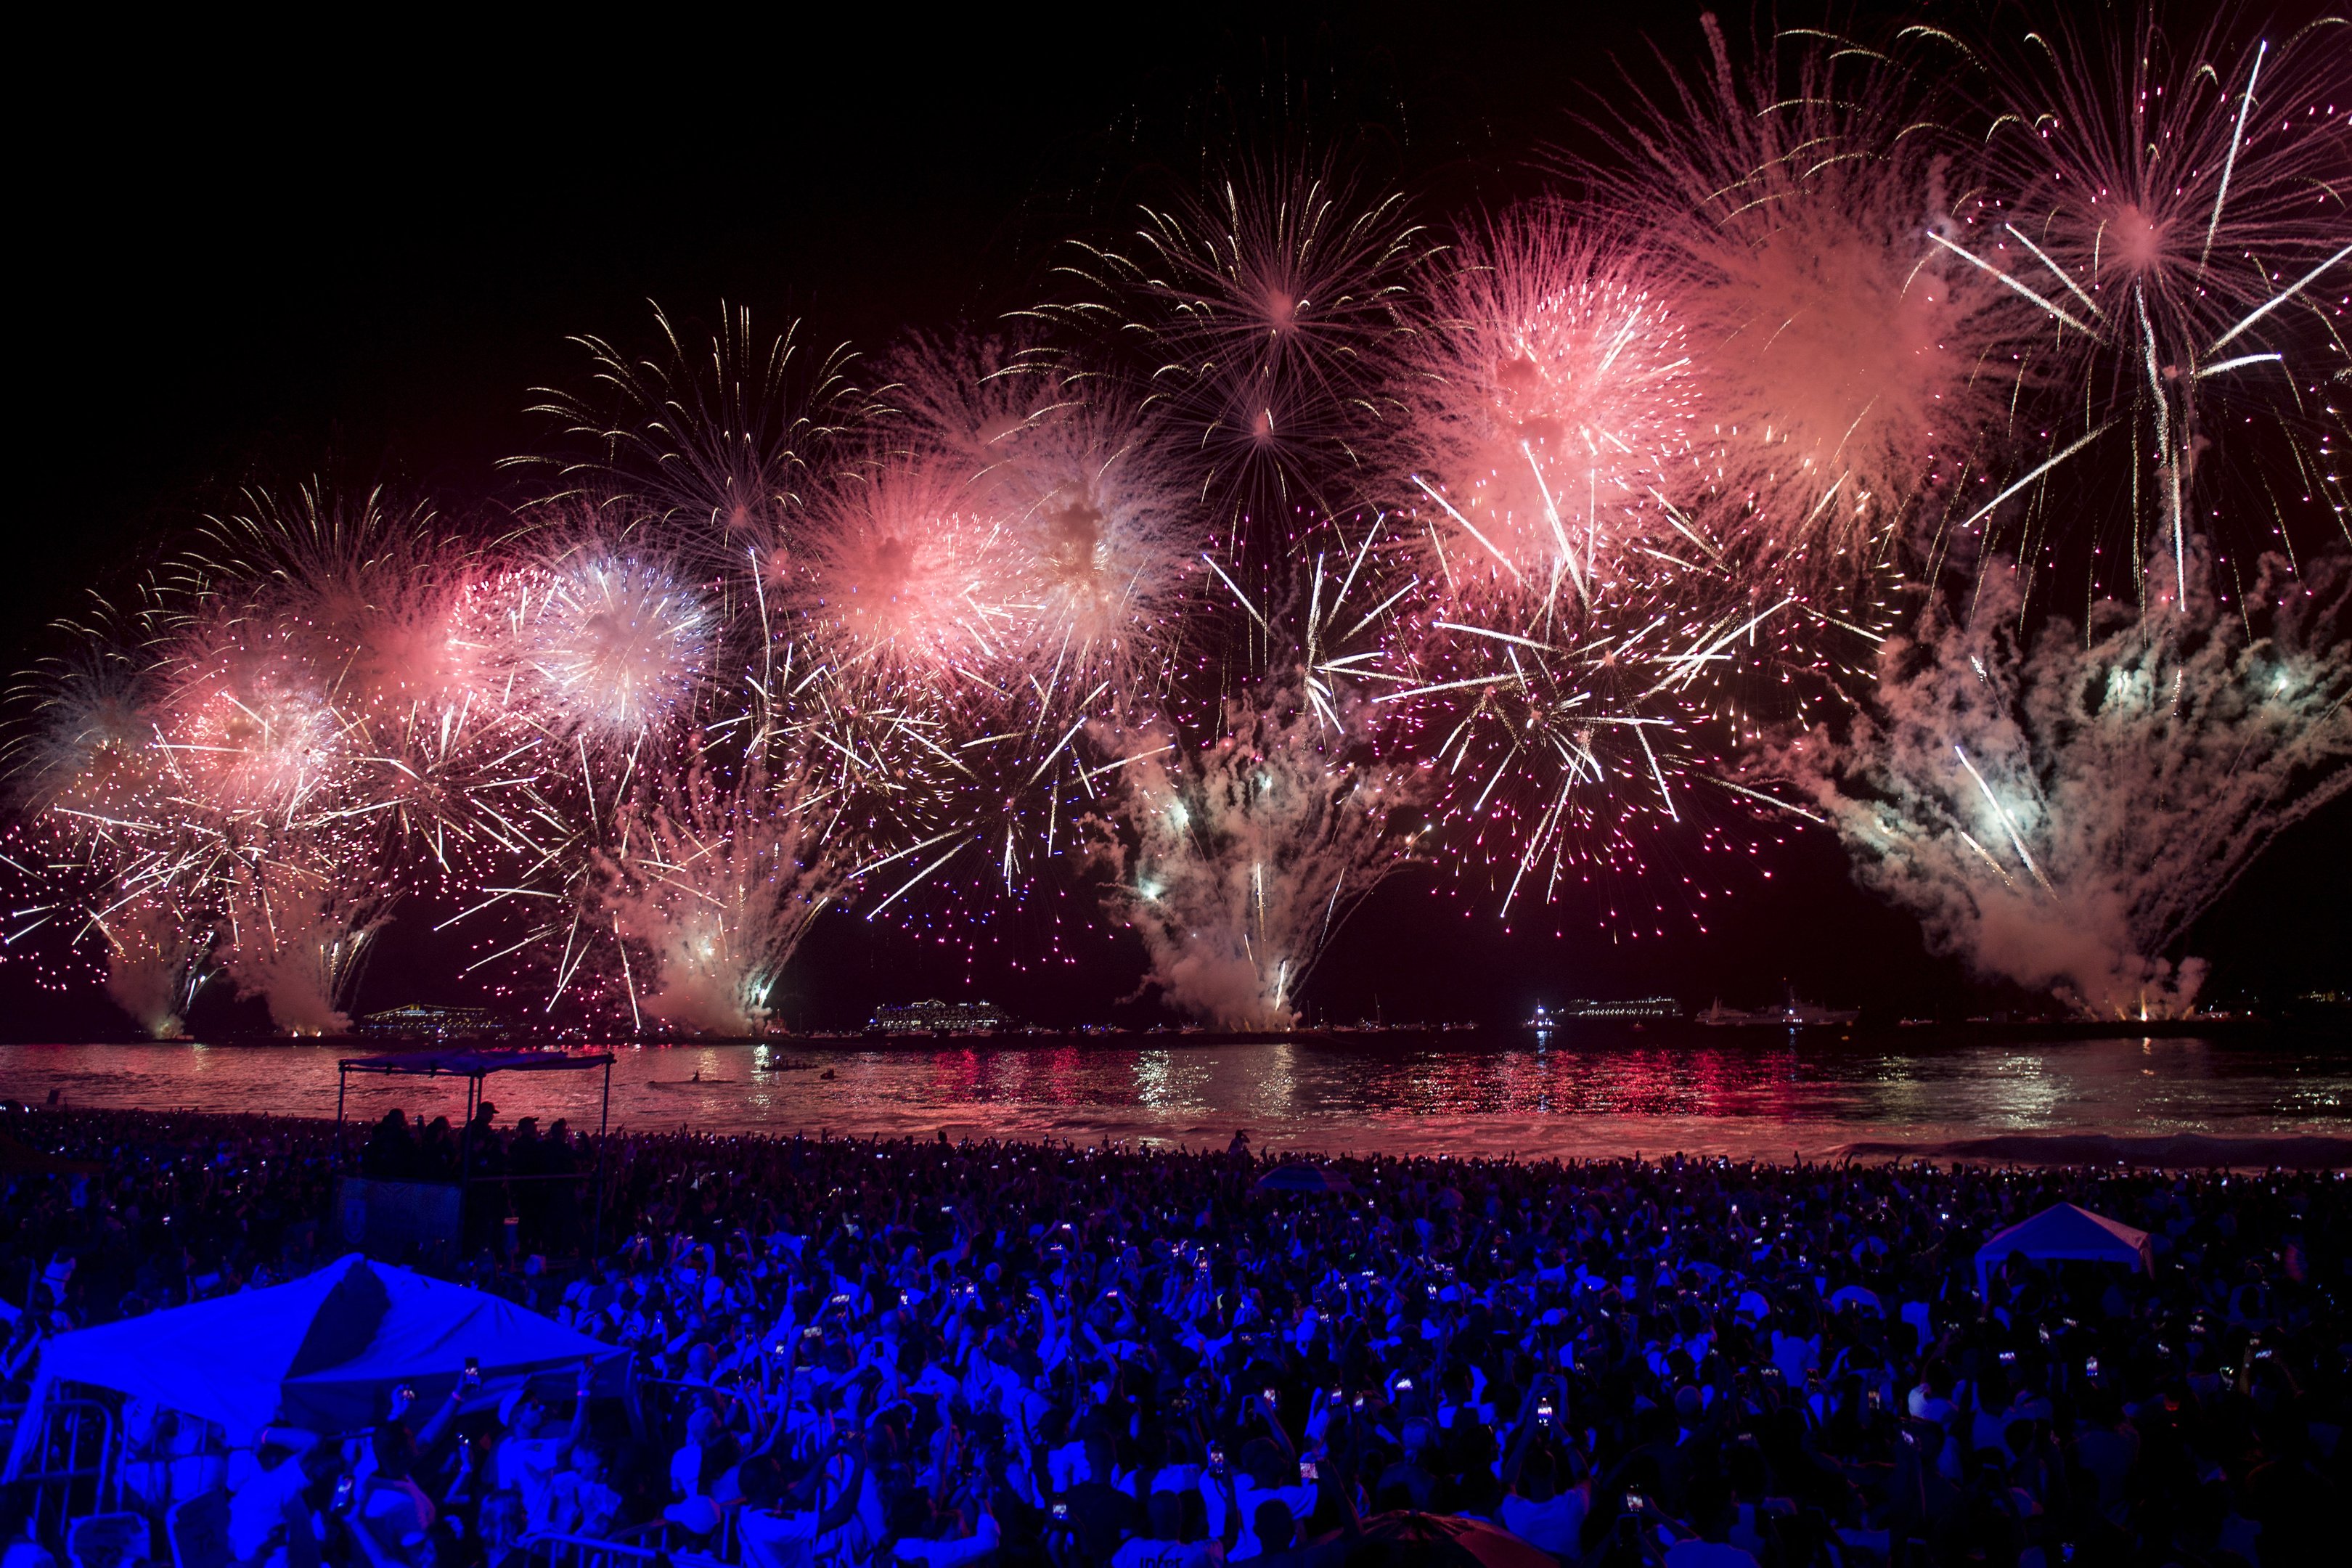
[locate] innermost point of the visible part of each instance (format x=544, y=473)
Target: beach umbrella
x=1433, y=1539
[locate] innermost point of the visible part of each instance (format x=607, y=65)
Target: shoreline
x=2184, y=1152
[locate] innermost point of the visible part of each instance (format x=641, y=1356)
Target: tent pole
x=466, y=1162
x=603, y=1132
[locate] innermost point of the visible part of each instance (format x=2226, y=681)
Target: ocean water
x=1752, y=1095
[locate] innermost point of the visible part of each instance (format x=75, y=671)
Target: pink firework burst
x=1273, y=304
x=248, y=724
x=909, y=567
x=2174, y=222
x=600, y=639
x=1095, y=558
x=1846, y=363
x=717, y=442
x=1554, y=399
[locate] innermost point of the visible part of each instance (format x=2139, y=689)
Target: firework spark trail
x=160, y=957
x=714, y=449
x=299, y=935
x=103, y=884
x=1565, y=738
x=682, y=875
x=2057, y=808
x=2169, y=215
x=241, y=768
x=1238, y=858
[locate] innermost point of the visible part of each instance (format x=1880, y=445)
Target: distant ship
x=936, y=1017
x=1792, y=1014
x=423, y=1020
x=1645, y=1009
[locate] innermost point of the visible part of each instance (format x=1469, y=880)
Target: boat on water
x=1791, y=1014
x=1637, y=1012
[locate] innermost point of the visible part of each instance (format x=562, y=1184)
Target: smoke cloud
x=2058, y=808
x=1248, y=854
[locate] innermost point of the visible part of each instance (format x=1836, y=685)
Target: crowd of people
x=855, y=1353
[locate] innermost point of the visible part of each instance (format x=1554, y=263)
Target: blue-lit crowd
x=855, y=1352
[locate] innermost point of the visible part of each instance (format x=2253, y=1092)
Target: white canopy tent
x=2063, y=1232
x=322, y=1351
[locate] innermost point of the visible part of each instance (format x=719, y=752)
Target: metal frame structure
x=474, y=1067
x=67, y=1461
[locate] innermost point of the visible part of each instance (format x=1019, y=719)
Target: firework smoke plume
x=1249, y=853
x=2058, y=809
x=716, y=881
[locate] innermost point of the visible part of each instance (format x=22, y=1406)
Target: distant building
x=938, y=1017
x=422, y=1020
x=1645, y=1009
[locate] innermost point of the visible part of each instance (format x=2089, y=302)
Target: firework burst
x=248, y=726
x=710, y=449
x=354, y=632
x=1092, y=557
x=1553, y=396
x=910, y=568
x=600, y=639
x=2167, y=224
x=88, y=742
x=1273, y=304
x=1845, y=363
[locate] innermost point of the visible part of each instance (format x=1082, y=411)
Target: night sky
x=261, y=255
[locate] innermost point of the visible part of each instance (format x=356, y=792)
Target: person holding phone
x=391, y=1512
x=1537, y=1507
x=268, y=1504
x=529, y=1453
x=785, y=1538
x=1264, y=1470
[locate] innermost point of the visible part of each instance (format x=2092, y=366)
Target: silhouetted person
x=390, y=1153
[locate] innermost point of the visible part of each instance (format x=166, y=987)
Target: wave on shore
x=2182, y=1151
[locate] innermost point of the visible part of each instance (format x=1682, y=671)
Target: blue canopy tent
x=2063, y=1232
x=320, y=1353
x=1294, y=1177
x=473, y=1066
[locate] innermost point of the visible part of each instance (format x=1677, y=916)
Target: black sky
x=257, y=254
